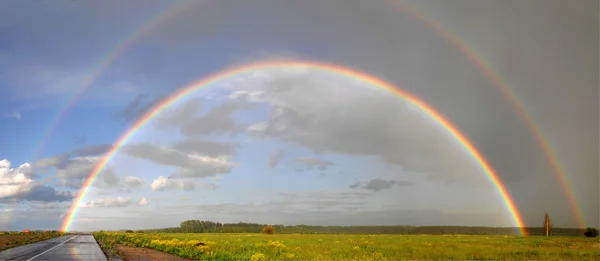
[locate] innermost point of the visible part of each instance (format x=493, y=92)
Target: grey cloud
x=63, y=160
x=207, y=147
x=192, y=166
x=33, y=32
x=124, y=190
x=92, y=150
x=75, y=183
x=275, y=157
x=381, y=184
x=349, y=118
x=323, y=194
x=180, y=114
x=54, y=161
x=378, y=184
x=334, y=211
x=314, y=161
x=216, y=121
x=76, y=168
x=310, y=163
x=46, y=194
x=137, y=107
x=107, y=179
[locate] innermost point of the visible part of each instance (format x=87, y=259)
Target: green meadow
x=255, y=247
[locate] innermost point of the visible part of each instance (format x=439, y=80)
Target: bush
x=590, y=232
x=268, y=230
x=129, y=231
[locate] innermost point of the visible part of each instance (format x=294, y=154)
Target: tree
x=547, y=224
x=268, y=230
x=590, y=232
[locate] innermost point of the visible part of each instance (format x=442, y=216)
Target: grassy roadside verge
x=10, y=240
x=108, y=246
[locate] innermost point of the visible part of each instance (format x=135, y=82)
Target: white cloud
x=143, y=202
x=108, y=203
x=14, y=181
x=134, y=181
x=165, y=183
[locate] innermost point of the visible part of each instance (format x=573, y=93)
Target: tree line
x=198, y=226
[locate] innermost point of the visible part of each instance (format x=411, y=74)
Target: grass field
x=360, y=247
x=10, y=240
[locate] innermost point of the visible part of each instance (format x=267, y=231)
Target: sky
x=297, y=145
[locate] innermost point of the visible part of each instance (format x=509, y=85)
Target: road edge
x=109, y=256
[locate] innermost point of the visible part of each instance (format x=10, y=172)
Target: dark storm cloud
x=30, y=25
x=547, y=52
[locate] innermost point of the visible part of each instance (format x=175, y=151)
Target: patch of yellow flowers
x=257, y=257
x=276, y=244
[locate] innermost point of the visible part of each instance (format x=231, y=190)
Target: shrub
x=129, y=231
x=268, y=230
x=590, y=232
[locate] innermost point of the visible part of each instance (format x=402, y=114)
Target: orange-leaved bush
x=268, y=230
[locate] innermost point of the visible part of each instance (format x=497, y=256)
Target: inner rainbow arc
x=275, y=64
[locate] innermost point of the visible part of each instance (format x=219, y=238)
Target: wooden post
x=547, y=224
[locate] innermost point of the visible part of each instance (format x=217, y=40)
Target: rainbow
x=235, y=71
x=486, y=68
x=108, y=58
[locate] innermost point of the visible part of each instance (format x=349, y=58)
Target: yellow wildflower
x=257, y=257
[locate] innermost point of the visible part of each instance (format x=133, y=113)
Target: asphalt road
x=71, y=247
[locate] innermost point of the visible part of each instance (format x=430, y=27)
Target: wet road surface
x=68, y=248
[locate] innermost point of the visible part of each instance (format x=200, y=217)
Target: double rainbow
x=336, y=69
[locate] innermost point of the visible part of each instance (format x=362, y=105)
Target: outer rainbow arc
x=103, y=63
x=510, y=205
x=511, y=97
